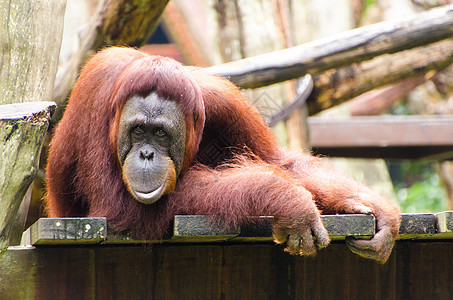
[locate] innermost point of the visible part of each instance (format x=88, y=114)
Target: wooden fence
x=79, y=259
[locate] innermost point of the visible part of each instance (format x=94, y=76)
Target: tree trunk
x=30, y=38
x=22, y=130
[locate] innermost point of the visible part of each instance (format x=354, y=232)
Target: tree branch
x=349, y=47
x=338, y=85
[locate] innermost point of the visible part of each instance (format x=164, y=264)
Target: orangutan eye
x=160, y=132
x=138, y=130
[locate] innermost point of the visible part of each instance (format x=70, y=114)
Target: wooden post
x=22, y=130
x=30, y=39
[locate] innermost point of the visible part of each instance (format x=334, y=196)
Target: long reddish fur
x=257, y=178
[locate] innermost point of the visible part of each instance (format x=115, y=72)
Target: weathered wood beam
x=379, y=101
x=444, y=224
x=338, y=226
x=23, y=127
x=335, y=86
x=409, y=137
x=30, y=39
x=349, y=47
x=420, y=225
x=72, y=231
x=50, y=231
x=383, y=131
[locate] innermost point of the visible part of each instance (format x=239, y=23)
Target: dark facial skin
x=151, y=146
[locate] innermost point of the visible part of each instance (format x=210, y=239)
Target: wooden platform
x=200, y=229
x=391, y=137
x=80, y=259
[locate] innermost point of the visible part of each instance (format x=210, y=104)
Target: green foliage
x=417, y=185
x=369, y=3
x=418, y=188
x=399, y=108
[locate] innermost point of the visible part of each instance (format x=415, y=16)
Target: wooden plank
x=197, y=228
x=351, y=46
x=66, y=231
x=258, y=229
x=338, y=226
x=417, y=226
x=382, y=131
x=445, y=225
x=52, y=231
x=383, y=136
x=341, y=226
x=425, y=153
x=202, y=229
x=445, y=221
